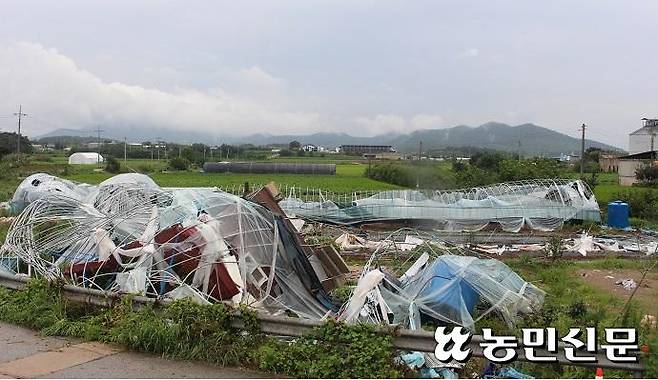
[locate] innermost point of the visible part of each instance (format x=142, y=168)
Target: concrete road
x=25, y=354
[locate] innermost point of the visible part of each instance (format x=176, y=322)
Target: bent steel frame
x=542, y=204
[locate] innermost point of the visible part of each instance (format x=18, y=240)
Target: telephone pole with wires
x=20, y=115
x=99, y=130
x=582, y=151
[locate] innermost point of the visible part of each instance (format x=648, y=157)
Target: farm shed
x=629, y=164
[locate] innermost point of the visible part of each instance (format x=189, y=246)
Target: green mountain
x=528, y=139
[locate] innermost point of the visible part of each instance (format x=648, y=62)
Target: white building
x=85, y=158
x=310, y=148
x=643, y=140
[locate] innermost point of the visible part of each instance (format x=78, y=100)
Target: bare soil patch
x=606, y=279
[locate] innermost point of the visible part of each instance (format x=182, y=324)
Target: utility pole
x=20, y=115
x=420, y=153
x=582, y=152
x=125, y=151
x=99, y=130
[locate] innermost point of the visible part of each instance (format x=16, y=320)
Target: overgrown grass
x=346, y=180
x=185, y=330
x=3, y=233
x=349, y=176
x=572, y=302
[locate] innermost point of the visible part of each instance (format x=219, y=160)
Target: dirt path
x=605, y=279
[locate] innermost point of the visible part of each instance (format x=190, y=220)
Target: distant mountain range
x=529, y=139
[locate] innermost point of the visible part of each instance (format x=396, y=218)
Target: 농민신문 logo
x=539, y=345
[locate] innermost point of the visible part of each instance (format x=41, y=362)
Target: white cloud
x=469, y=53
x=396, y=123
x=257, y=77
x=54, y=89
x=425, y=121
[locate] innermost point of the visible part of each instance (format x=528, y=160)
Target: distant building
x=310, y=148
x=643, y=139
x=609, y=163
x=362, y=149
x=383, y=156
x=629, y=164
x=565, y=157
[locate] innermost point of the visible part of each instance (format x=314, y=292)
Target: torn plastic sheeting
x=538, y=204
x=39, y=185
x=584, y=244
x=350, y=242
x=493, y=249
x=130, y=235
x=448, y=288
x=445, y=276
x=415, y=267
x=628, y=284
x=365, y=285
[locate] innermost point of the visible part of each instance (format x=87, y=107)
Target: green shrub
x=112, y=165
x=179, y=163
x=643, y=203
x=424, y=176
x=647, y=175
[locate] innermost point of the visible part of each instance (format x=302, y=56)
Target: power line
x=582, y=152
x=98, y=157
x=20, y=115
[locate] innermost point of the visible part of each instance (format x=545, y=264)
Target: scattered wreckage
x=583, y=244
x=129, y=235
x=540, y=204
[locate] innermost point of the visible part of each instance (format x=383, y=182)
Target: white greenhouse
x=85, y=158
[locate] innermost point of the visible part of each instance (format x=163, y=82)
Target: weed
x=554, y=247
x=189, y=331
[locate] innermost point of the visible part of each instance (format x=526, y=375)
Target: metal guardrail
x=403, y=339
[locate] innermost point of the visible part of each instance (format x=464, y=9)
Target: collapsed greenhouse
x=538, y=204
x=128, y=235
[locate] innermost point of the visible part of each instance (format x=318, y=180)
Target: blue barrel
x=618, y=214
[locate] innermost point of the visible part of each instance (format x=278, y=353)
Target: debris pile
x=537, y=204
x=446, y=288
x=129, y=235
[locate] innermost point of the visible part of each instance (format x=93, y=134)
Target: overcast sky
x=361, y=67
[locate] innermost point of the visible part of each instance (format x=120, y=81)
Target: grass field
x=349, y=177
